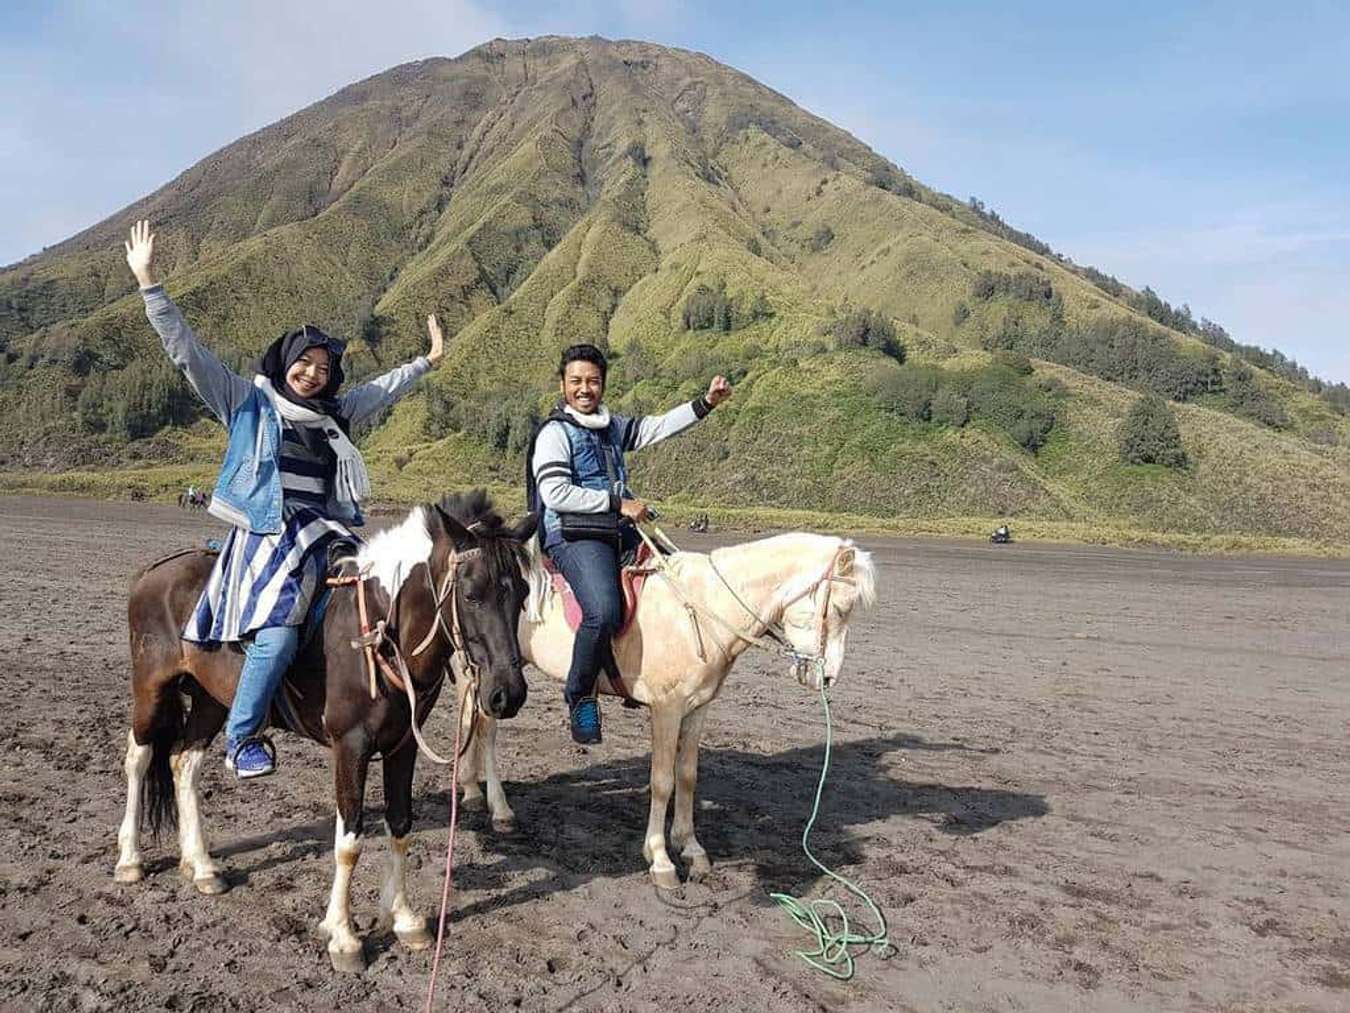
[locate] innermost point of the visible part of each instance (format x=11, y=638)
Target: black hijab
x=282, y=354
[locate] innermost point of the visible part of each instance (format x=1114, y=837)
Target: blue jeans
x=592, y=569
x=266, y=658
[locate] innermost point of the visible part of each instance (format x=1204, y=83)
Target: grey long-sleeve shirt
x=224, y=390
x=552, y=461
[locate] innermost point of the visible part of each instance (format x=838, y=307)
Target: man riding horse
x=575, y=471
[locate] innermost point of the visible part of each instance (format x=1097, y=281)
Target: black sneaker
x=586, y=722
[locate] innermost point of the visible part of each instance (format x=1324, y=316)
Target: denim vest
x=248, y=493
x=589, y=447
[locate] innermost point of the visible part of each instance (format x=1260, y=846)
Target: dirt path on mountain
x=1076, y=779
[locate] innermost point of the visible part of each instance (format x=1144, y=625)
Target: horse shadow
x=750, y=811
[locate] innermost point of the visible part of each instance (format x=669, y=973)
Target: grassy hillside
x=898, y=354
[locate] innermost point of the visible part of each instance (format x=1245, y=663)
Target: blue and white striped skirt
x=265, y=580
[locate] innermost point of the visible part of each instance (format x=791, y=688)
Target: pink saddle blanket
x=631, y=579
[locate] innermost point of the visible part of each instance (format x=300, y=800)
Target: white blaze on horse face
x=391, y=555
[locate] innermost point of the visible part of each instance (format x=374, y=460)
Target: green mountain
x=897, y=352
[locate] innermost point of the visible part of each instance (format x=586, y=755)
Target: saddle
x=631, y=579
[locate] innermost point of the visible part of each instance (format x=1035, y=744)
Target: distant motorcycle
x=1001, y=535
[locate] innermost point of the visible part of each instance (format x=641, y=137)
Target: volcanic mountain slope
x=536, y=193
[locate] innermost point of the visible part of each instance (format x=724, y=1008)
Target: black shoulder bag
x=601, y=527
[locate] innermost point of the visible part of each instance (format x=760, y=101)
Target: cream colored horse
x=694, y=619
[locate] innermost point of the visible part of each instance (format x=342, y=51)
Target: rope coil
x=832, y=954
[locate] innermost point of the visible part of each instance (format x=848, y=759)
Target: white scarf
x=597, y=419
x=352, y=483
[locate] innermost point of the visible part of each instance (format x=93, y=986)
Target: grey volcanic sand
x=1076, y=778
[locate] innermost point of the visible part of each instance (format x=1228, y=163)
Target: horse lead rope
x=449, y=862
x=831, y=955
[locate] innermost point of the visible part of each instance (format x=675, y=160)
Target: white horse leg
x=503, y=818
x=129, y=868
x=344, y=948
x=395, y=910
x=686, y=777
x=665, y=730
x=195, y=861
x=470, y=762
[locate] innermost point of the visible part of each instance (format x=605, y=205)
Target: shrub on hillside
x=866, y=328
x=501, y=417
x=821, y=238
x=1250, y=400
x=1025, y=285
x=1015, y=361
x=711, y=309
x=949, y=408
x=1150, y=434
x=907, y=392
x=707, y=309
x=137, y=401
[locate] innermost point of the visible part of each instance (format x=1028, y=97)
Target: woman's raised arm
x=363, y=401
x=216, y=384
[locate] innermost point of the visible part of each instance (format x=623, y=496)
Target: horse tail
x=159, y=799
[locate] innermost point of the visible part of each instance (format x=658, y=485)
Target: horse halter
x=803, y=665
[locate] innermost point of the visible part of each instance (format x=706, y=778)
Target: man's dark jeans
x=592, y=569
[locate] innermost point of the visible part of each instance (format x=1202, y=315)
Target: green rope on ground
x=832, y=953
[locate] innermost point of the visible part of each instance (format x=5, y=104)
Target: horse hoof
x=473, y=803
x=415, y=939
x=505, y=827
x=699, y=868
x=666, y=879
x=128, y=874
x=211, y=885
x=347, y=961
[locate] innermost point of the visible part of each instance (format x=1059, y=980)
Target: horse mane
x=475, y=510
x=865, y=574
x=473, y=507
x=390, y=555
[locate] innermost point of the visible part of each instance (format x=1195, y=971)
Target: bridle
x=373, y=637
x=802, y=664
x=773, y=637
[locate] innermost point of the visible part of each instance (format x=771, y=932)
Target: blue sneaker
x=586, y=721
x=255, y=757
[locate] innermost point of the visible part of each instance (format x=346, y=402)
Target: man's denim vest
x=588, y=468
x=248, y=492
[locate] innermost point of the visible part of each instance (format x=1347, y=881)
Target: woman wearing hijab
x=575, y=471
x=290, y=486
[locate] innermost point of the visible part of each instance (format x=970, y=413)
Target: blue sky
x=1203, y=149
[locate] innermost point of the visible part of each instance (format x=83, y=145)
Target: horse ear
x=523, y=528
x=457, y=532
x=845, y=562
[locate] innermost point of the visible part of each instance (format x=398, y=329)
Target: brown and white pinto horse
x=454, y=568
x=693, y=621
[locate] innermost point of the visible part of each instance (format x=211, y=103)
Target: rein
x=372, y=638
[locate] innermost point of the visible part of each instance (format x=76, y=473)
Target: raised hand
x=437, y=340
x=718, y=391
x=141, y=253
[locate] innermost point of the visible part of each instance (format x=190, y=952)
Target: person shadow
x=579, y=825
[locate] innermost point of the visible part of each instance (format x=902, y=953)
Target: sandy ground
x=1075, y=778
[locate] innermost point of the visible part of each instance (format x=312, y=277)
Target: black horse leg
x=351, y=758
x=395, y=910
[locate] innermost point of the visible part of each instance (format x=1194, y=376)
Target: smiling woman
x=291, y=486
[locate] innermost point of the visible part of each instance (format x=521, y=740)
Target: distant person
x=290, y=486
x=575, y=470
